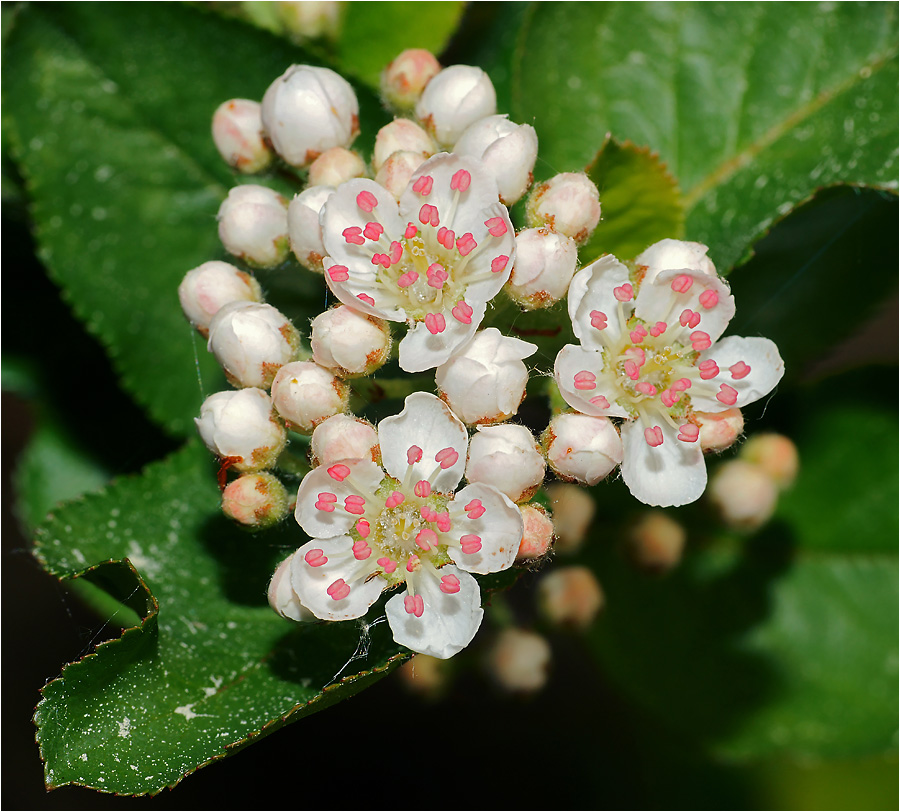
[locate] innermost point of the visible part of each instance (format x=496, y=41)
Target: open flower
x=433, y=261
x=650, y=354
x=373, y=529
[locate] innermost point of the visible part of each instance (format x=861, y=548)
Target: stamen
x=689, y=433
x=396, y=498
x=638, y=334
x=315, y=558
x=689, y=318
x=658, y=329
x=361, y=550
x=449, y=584
x=631, y=370
x=624, y=293
x=645, y=388
x=353, y=235
x=637, y=355
x=381, y=259
x=423, y=488
x=328, y=507
x=682, y=284
x=373, y=231
x=366, y=298
x=727, y=395
x=599, y=320
x=461, y=180
x=407, y=279
x=498, y=264
x=708, y=369
x=366, y=201
x=428, y=215
x=423, y=185
x=339, y=590
x=670, y=397
x=709, y=298
x=410, y=232
x=654, y=436
x=585, y=380
x=414, y=605
x=470, y=543
x=496, y=226
x=700, y=340
x=396, y=252
x=426, y=538
x=355, y=504
x=363, y=528
x=413, y=455
x=683, y=384
x=428, y=513
x=600, y=402
x=462, y=312
x=446, y=458
x=436, y=275
x=446, y=237
x=412, y=563
x=443, y=522
x=339, y=472
x=435, y=323
x=739, y=370
x=338, y=273
x=466, y=244
x=475, y=509
x=387, y=565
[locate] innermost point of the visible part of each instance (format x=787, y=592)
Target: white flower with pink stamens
x=434, y=260
x=373, y=529
x=650, y=353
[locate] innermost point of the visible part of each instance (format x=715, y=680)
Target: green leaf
x=211, y=667
x=641, y=201
x=752, y=106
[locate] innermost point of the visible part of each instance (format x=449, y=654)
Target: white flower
x=433, y=261
x=582, y=448
x=253, y=225
x=374, y=529
x=650, y=354
x=455, y=98
x=349, y=343
x=545, y=265
x=305, y=394
x=508, y=458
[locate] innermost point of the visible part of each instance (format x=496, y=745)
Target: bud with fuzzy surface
x=776, y=455
x=336, y=166
x=568, y=203
x=349, y=343
x=401, y=135
x=656, y=541
x=581, y=448
x=570, y=596
x=719, y=430
x=455, y=98
x=744, y=495
x=209, y=287
x=573, y=512
x=304, y=229
x=253, y=225
x=397, y=171
x=537, y=537
x=518, y=660
x=238, y=135
x=343, y=437
x=404, y=79
x=544, y=267
x=256, y=501
x=508, y=458
x=305, y=394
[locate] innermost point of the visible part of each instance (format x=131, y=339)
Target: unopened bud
x=304, y=228
x=305, y=394
x=343, y=437
x=256, y=501
x=568, y=203
x=582, y=448
x=252, y=341
x=656, y=541
x=571, y=597
x=404, y=79
x=397, y=171
x=719, y=430
x=348, y=343
x=282, y=597
x=537, y=537
x=238, y=135
x=424, y=675
x=253, y=225
x=310, y=19
x=668, y=255
x=573, y=512
x=211, y=286
x=241, y=428
x=776, y=455
x=508, y=458
x=401, y=135
x=455, y=98
x=308, y=110
x=484, y=381
x=518, y=660
x=544, y=267
x=507, y=149
x=336, y=166
x=744, y=495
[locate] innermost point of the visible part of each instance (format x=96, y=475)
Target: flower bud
x=570, y=596
x=719, y=430
x=401, y=135
x=455, y=98
x=305, y=394
x=744, y=495
x=304, y=228
x=544, y=267
x=581, y=448
x=210, y=286
x=668, y=255
x=507, y=149
x=397, y=171
x=310, y=19
x=656, y=541
x=336, y=166
x=241, y=427
x=282, y=597
x=308, y=110
x=484, y=381
x=537, y=537
x=404, y=79
x=573, y=512
x=343, y=437
x=776, y=455
x=568, y=203
x=348, y=343
x=253, y=225
x=238, y=135
x=256, y=501
x=252, y=341
x=518, y=660
x=424, y=675
x=508, y=458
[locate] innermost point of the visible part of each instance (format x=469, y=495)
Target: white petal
x=500, y=528
x=311, y=583
x=421, y=350
x=428, y=423
x=766, y=369
x=671, y=474
x=364, y=479
x=448, y=623
x=572, y=360
x=592, y=289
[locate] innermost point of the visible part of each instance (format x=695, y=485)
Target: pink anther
x=460, y=180
x=689, y=318
x=428, y=513
x=636, y=354
x=355, y=504
x=700, y=340
x=407, y=279
x=353, y=235
x=435, y=323
x=739, y=370
x=396, y=252
x=689, y=433
x=328, y=507
x=669, y=397
x=327, y=497
x=387, y=565
x=363, y=528
x=446, y=458
x=599, y=320
x=396, y=498
x=632, y=370
x=423, y=185
x=658, y=329
x=412, y=563
x=426, y=538
x=498, y=264
x=428, y=215
x=361, y=550
x=585, y=380
x=470, y=543
x=727, y=395
x=437, y=275
x=443, y=522
x=466, y=244
x=681, y=385
x=338, y=273
x=363, y=297
x=373, y=231
x=709, y=298
x=413, y=455
x=654, y=436
x=366, y=201
x=462, y=312
x=410, y=232
x=682, y=284
x=496, y=226
x=423, y=488
x=624, y=293
x=638, y=334
x=645, y=388
x=708, y=369
x=315, y=558
x=381, y=259
x=446, y=237
x=414, y=605
x=475, y=509
x=339, y=590
x=600, y=402
x=339, y=472
x=449, y=584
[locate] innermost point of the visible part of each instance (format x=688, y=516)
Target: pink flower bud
x=537, y=537
x=252, y=341
x=256, y=501
x=508, y=458
x=581, y=448
x=343, y=437
x=253, y=225
x=656, y=541
x=241, y=427
x=744, y=494
x=308, y=110
x=518, y=660
x=668, y=255
x=573, y=512
x=349, y=343
x=305, y=394
x=210, y=286
x=404, y=79
x=776, y=455
x=397, y=171
x=455, y=98
x=570, y=596
x=719, y=430
x=336, y=166
x=282, y=597
x=544, y=267
x=304, y=229
x=401, y=135
x=238, y=135
x=568, y=203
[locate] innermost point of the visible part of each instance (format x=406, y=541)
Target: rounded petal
x=592, y=289
x=597, y=402
x=765, y=371
x=420, y=349
x=449, y=621
x=364, y=478
x=500, y=528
